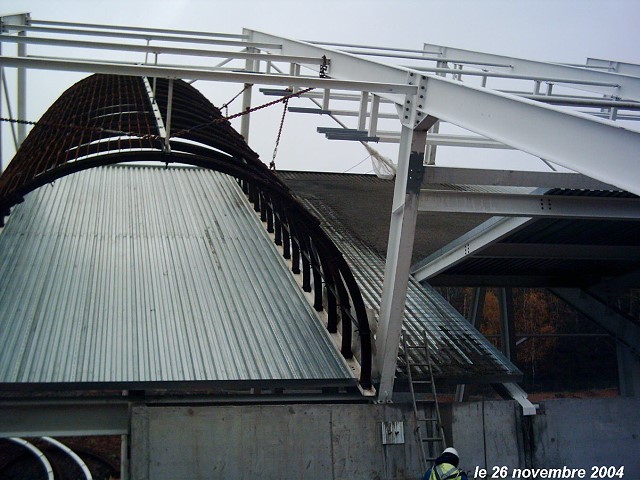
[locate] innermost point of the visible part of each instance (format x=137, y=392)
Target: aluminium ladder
x=433, y=434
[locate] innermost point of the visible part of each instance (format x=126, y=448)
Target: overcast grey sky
x=553, y=30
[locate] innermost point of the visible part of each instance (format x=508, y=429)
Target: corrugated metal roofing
x=144, y=274
x=459, y=352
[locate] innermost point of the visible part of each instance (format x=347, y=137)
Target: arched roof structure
x=107, y=119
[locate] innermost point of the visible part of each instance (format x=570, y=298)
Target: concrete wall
x=345, y=441
x=271, y=442
x=576, y=433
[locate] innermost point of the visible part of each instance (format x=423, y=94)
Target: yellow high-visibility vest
x=445, y=471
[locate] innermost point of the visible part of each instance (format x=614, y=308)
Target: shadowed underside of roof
x=141, y=275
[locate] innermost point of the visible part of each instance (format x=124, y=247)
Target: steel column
x=167, y=145
x=1, y=87
x=477, y=308
x=507, y=326
x=125, y=462
x=396, y=275
x=22, y=93
x=375, y=115
x=362, y=114
x=246, y=96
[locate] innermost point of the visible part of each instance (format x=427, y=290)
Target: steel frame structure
x=538, y=121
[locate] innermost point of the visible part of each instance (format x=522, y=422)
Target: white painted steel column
x=477, y=308
x=22, y=92
x=375, y=114
x=362, y=115
x=246, y=96
x=1, y=87
x=167, y=145
x=396, y=274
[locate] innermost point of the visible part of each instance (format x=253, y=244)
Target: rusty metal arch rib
x=107, y=119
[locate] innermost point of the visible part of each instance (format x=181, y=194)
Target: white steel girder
x=628, y=87
x=477, y=239
x=576, y=141
x=524, y=205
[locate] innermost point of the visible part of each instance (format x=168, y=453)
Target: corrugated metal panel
x=146, y=274
x=459, y=352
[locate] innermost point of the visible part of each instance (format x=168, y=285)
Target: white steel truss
x=540, y=122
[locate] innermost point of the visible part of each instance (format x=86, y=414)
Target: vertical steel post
x=167, y=126
x=477, y=307
x=396, y=274
x=22, y=91
x=246, y=105
x=9, y=110
x=326, y=96
x=507, y=328
x=362, y=115
x=124, y=457
x=373, y=119
x=1, y=86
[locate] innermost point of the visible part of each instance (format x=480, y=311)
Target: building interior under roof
x=152, y=260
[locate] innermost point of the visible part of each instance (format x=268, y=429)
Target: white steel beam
x=560, y=251
x=514, y=178
x=575, y=141
x=140, y=36
x=124, y=47
x=52, y=23
x=480, y=237
x=629, y=87
x=343, y=65
x=332, y=95
x=523, y=205
x=197, y=74
x=624, y=68
x=611, y=85
x=516, y=392
x=72, y=419
x=344, y=113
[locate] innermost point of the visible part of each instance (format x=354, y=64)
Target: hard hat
x=451, y=450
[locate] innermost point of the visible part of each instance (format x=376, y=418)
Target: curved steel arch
x=107, y=119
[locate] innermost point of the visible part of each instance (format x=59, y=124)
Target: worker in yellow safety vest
x=446, y=467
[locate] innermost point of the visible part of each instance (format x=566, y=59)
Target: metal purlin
x=107, y=119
